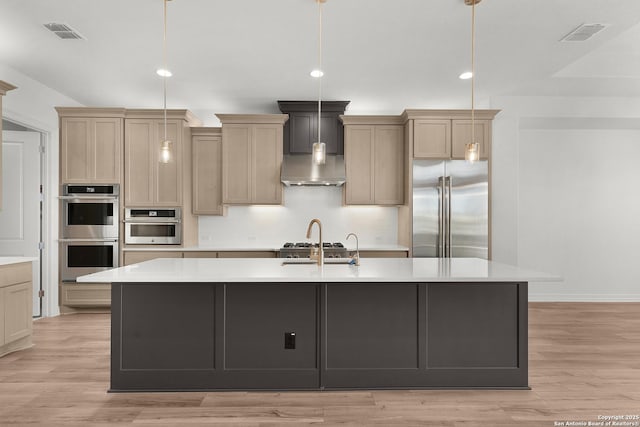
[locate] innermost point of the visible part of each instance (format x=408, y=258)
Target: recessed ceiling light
x=317, y=73
x=163, y=73
x=466, y=75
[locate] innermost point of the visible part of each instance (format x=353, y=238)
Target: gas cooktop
x=303, y=249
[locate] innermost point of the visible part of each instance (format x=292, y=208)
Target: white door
x=20, y=214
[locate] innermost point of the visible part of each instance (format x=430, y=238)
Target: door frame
x=49, y=215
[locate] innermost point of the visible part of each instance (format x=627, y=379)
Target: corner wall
x=564, y=174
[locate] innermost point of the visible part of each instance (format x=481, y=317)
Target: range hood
x=300, y=169
x=300, y=132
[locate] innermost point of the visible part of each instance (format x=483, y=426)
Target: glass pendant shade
x=319, y=153
x=472, y=152
x=165, y=151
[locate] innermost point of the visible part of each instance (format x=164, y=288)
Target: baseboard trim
x=553, y=297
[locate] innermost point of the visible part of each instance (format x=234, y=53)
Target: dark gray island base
x=313, y=336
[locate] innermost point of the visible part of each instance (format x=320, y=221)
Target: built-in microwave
x=149, y=226
x=85, y=256
x=90, y=211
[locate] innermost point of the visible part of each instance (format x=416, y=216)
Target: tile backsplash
x=271, y=226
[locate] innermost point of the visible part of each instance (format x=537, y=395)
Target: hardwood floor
x=584, y=362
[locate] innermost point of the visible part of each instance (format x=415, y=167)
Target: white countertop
x=224, y=270
x=246, y=248
x=8, y=260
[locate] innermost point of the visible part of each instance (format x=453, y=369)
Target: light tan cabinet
x=443, y=134
x=84, y=295
x=252, y=158
x=148, y=182
x=461, y=135
x=4, y=88
x=90, y=147
x=207, y=171
x=247, y=254
x=374, y=161
x=16, y=307
x=133, y=257
x=383, y=254
x=432, y=139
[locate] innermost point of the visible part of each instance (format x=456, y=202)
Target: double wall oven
x=89, y=232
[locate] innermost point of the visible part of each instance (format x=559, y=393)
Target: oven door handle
x=106, y=198
x=169, y=222
x=87, y=240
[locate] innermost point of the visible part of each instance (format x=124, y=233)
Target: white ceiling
x=236, y=56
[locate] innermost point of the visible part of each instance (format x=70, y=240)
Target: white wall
x=271, y=226
x=32, y=105
x=572, y=166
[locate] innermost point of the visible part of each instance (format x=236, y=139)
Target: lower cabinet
x=384, y=254
x=134, y=257
x=16, y=307
x=85, y=295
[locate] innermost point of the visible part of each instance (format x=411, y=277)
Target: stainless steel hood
x=299, y=169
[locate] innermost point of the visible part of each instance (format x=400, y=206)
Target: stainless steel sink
x=306, y=261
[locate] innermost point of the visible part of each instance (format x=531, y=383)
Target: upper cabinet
x=4, y=88
x=207, y=171
x=149, y=182
x=91, y=145
x=461, y=135
x=374, y=153
x=301, y=130
x=442, y=134
x=252, y=158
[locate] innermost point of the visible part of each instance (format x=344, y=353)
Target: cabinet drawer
x=15, y=273
x=133, y=257
x=86, y=295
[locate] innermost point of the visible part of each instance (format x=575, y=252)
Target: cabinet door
x=301, y=132
x=236, y=172
x=2, y=304
x=461, y=135
x=388, y=165
x=140, y=160
x=107, y=150
x=358, y=153
x=207, y=175
x=266, y=162
x=91, y=150
x=432, y=139
x=75, y=150
x=168, y=183
x=17, y=311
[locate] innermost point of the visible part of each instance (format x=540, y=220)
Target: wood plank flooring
x=584, y=362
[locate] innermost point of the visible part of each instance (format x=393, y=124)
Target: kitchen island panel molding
x=216, y=336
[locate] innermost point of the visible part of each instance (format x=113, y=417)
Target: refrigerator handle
x=448, y=182
x=441, y=217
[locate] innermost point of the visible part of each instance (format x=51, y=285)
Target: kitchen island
x=241, y=324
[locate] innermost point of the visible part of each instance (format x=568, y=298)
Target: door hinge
x=41, y=293
x=41, y=246
x=41, y=148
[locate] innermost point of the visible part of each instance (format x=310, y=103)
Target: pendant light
x=319, y=147
x=165, y=146
x=472, y=149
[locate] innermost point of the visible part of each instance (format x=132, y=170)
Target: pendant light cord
x=164, y=60
x=473, y=71
x=319, y=66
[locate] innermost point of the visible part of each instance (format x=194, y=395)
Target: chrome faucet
x=320, y=254
x=356, y=257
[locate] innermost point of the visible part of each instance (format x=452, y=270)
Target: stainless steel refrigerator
x=450, y=209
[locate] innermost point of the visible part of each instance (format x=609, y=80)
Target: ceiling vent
x=64, y=31
x=583, y=32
